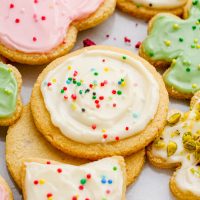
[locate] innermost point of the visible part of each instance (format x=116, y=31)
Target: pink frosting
x=40, y=25
x=3, y=193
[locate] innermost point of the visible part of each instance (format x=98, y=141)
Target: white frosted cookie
x=179, y=146
x=5, y=191
x=146, y=9
x=103, y=179
x=98, y=102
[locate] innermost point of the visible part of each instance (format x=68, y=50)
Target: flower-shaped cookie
x=177, y=42
x=36, y=32
x=10, y=101
x=146, y=9
x=48, y=180
x=179, y=146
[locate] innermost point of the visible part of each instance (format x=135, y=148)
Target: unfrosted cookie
x=24, y=141
x=179, y=147
x=146, y=9
x=98, y=102
x=37, y=32
x=10, y=88
x=176, y=43
x=5, y=191
x=102, y=179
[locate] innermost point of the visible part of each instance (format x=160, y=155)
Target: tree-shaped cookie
x=179, y=146
x=175, y=41
x=100, y=180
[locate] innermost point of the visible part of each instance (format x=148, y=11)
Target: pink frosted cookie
x=5, y=192
x=38, y=31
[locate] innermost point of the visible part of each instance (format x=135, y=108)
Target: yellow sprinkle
x=50, y=198
x=10, y=70
x=188, y=156
x=199, y=67
x=42, y=181
x=196, y=40
x=69, y=67
x=106, y=69
x=168, y=43
x=81, y=81
x=176, y=26
x=54, y=80
x=73, y=106
x=174, y=61
x=198, y=46
x=194, y=85
x=197, y=23
x=103, y=130
x=123, y=84
x=192, y=170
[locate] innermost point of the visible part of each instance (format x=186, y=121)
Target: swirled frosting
x=40, y=25
x=3, y=193
x=160, y=3
x=99, y=180
x=100, y=96
x=179, y=143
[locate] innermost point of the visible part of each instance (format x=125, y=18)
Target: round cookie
x=24, y=141
x=178, y=147
x=5, y=191
x=47, y=30
x=94, y=102
x=96, y=180
x=174, y=42
x=10, y=100
x=146, y=9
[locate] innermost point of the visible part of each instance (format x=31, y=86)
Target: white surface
x=152, y=183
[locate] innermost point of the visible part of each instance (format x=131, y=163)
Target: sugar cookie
x=10, y=101
x=178, y=146
x=5, y=191
x=146, y=9
x=37, y=32
x=173, y=41
x=24, y=141
x=99, y=102
x=102, y=179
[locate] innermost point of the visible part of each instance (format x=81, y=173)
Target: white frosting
x=106, y=181
x=160, y=3
x=185, y=179
x=133, y=110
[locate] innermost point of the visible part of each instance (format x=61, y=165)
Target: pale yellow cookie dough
x=101, y=14
x=10, y=120
x=7, y=188
x=24, y=141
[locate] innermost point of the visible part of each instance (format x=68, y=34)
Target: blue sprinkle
x=119, y=82
x=103, y=181
x=135, y=115
x=92, y=69
x=68, y=81
x=110, y=181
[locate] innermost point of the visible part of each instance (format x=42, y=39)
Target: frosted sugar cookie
x=5, y=192
x=10, y=101
x=176, y=43
x=99, y=102
x=178, y=146
x=103, y=179
x=23, y=141
x=146, y=9
x=36, y=32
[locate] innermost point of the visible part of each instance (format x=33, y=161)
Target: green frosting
x=177, y=41
x=8, y=92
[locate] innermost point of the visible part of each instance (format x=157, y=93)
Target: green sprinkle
x=62, y=91
x=78, y=83
x=80, y=92
x=151, y=54
x=94, y=97
x=70, y=79
x=119, y=92
x=124, y=57
x=194, y=27
x=192, y=46
x=114, y=168
x=187, y=69
x=96, y=73
x=195, y=2
x=74, y=81
x=180, y=39
x=83, y=181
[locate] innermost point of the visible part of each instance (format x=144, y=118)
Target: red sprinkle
x=12, y=6
x=81, y=187
x=73, y=97
x=17, y=21
x=105, y=136
x=87, y=42
x=90, y=85
x=101, y=98
x=137, y=46
x=94, y=126
x=117, y=138
x=36, y=182
x=114, y=105
x=34, y=39
x=49, y=195
x=65, y=97
x=102, y=84
x=127, y=128
x=35, y=1
x=88, y=176
x=96, y=101
x=74, y=198
x=127, y=40
x=64, y=88
x=59, y=170
x=48, y=162
x=98, y=106
x=49, y=84
x=114, y=91
x=43, y=18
